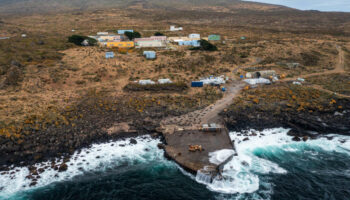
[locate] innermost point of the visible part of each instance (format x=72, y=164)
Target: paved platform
x=178, y=144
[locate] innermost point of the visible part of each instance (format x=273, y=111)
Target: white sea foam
x=241, y=174
x=98, y=157
x=220, y=156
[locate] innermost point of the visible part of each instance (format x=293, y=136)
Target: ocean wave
x=99, y=157
x=241, y=175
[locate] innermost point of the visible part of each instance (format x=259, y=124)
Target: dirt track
x=208, y=114
x=339, y=68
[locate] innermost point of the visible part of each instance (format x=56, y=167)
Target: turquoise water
x=321, y=5
x=274, y=168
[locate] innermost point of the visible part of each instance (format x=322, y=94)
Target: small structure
x=262, y=74
x=194, y=36
x=4, y=38
x=115, y=38
x=102, y=33
x=292, y=65
x=150, y=55
x=152, y=38
x=177, y=39
x=197, y=84
x=256, y=81
x=109, y=55
x=150, y=43
x=211, y=127
x=146, y=82
x=214, y=38
x=213, y=80
x=121, y=32
x=194, y=43
x=24, y=35
x=164, y=81
x=159, y=37
x=243, y=38
x=121, y=44
x=174, y=28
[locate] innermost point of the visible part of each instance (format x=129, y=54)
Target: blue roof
x=123, y=31
x=149, y=54
x=109, y=55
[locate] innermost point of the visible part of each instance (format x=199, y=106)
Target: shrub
x=205, y=46
x=158, y=34
x=132, y=35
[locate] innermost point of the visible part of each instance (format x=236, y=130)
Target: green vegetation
x=132, y=35
x=339, y=83
x=205, y=46
x=79, y=39
x=158, y=34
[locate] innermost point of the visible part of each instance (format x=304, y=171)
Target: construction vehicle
x=194, y=148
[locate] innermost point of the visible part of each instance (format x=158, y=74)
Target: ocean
x=268, y=166
x=321, y=5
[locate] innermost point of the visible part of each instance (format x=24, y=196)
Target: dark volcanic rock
x=63, y=167
x=301, y=122
x=133, y=141
x=296, y=138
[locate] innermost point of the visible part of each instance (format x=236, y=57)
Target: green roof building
x=214, y=38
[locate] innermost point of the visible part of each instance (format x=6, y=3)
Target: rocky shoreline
x=302, y=123
x=104, y=124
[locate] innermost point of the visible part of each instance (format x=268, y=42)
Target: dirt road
x=208, y=114
x=339, y=67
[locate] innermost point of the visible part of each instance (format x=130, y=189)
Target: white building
x=194, y=36
x=102, y=33
x=150, y=43
x=174, y=28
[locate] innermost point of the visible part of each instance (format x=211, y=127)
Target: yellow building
x=123, y=44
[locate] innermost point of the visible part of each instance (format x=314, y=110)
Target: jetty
x=191, y=137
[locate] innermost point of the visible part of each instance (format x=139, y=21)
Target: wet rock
x=63, y=167
x=296, y=138
x=246, y=139
x=33, y=183
x=41, y=170
x=160, y=146
x=122, y=145
x=133, y=141
x=29, y=177
x=305, y=138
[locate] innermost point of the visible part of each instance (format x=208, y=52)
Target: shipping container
x=196, y=84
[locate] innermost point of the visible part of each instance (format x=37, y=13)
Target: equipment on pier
x=194, y=148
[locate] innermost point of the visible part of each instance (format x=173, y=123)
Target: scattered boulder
x=296, y=138
x=33, y=183
x=246, y=139
x=133, y=141
x=160, y=146
x=63, y=167
x=305, y=138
